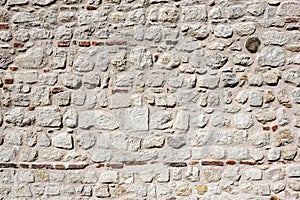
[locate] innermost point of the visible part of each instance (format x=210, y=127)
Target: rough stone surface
x=149, y=99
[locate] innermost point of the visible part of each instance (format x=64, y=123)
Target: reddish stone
x=77, y=166
x=249, y=163
x=4, y=26
x=91, y=7
x=60, y=167
x=64, y=8
x=98, y=165
x=18, y=45
x=156, y=57
x=56, y=90
x=63, y=44
x=115, y=166
x=13, y=68
x=135, y=163
x=274, y=128
x=46, y=70
x=291, y=20
x=266, y=128
x=217, y=163
x=177, y=164
x=84, y=43
x=95, y=43
x=8, y=81
x=120, y=42
x=31, y=108
x=230, y=162
x=119, y=91
x=110, y=43
x=193, y=163
x=43, y=166
x=23, y=165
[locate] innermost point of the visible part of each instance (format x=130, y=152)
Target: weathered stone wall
x=149, y=99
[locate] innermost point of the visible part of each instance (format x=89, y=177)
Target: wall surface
x=150, y=99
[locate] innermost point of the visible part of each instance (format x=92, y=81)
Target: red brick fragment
x=18, y=45
x=84, y=43
x=95, y=43
x=135, y=163
x=217, y=163
x=291, y=20
x=4, y=26
x=115, y=165
x=63, y=44
x=77, y=166
x=56, y=90
x=91, y=7
x=120, y=42
x=8, y=165
x=31, y=108
x=8, y=81
x=13, y=68
x=156, y=57
x=119, y=91
x=46, y=70
x=266, y=128
x=176, y=164
x=230, y=162
x=193, y=163
x=23, y=165
x=43, y=166
x=249, y=163
x=64, y=8
x=60, y=167
x=98, y=165
x=274, y=128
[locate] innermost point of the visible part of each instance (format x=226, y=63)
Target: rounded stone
x=252, y=44
x=272, y=56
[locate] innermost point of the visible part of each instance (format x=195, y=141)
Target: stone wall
x=150, y=99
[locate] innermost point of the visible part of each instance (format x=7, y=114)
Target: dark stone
x=4, y=61
x=252, y=44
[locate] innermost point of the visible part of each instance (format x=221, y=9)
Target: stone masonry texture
x=150, y=99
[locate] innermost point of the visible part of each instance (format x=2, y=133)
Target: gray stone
x=101, y=155
x=235, y=12
x=5, y=60
x=140, y=58
x=97, y=119
x=274, y=38
x=13, y=136
x=274, y=154
x=86, y=140
x=229, y=79
x=194, y=13
x=19, y=117
x=26, y=77
x=49, y=116
x=102, y=191
x=170, y=60
x=293, y=77
x=198, y=31
x=153, y=33
x=5, y=36
x=153, y=142
x=223, y=31
x=176, y=142
x=209, y=81
x=71, y=81
x=43, y=2
x=230, y=136
x=255, y=99
x=199, y=120
x=256, y=8
x=83, y=63
x=109, y=177
x=181, y=121
x=33, y=59
x=218, y=119
x=91, y=80
x=136, y=119
x=271, y=78
x=289, y=8
x=119, y=100
x=272, y=56
x=243, y=120
x=125, y=80
x=242, y=59
x=199, y=138
x=252, y=174
x=293, y=171
x=216, y=60
x=70, y=118
x=155, y=78
x=161, y=119
x=63, y=140
x=245, y=28
x=256, y=79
